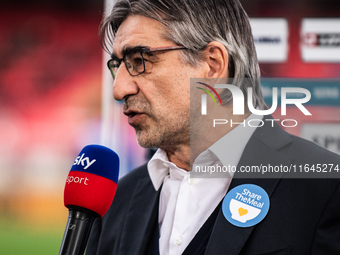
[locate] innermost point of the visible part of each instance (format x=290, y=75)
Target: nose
x=124, y=84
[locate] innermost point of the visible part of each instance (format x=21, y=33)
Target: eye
x=137, y=61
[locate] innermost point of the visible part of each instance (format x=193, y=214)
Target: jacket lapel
x=266, y=146
x=141, y=218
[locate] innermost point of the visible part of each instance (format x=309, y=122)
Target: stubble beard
x=161, y=129
x=164, y=132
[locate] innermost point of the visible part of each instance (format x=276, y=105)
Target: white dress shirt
x=186, y=203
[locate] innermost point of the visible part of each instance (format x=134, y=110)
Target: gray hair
x=194, y=24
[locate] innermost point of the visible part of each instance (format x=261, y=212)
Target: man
x=157, y=46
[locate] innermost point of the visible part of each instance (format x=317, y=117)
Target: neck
x=202, y=136
x=180, y=157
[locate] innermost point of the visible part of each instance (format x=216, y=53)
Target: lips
x=131, y=112
x=133, y=116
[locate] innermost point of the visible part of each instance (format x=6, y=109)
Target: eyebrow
x=128, y=49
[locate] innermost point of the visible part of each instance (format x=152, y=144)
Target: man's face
x=157, y=102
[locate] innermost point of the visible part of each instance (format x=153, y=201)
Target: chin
x=146, y=140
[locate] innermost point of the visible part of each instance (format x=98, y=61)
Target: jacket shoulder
x=307, y=149
x=126, y=184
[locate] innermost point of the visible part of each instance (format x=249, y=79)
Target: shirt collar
x=158, y=168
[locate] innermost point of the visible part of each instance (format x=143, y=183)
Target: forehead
x=138, y=30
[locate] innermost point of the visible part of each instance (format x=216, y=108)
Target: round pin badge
x=245, y=205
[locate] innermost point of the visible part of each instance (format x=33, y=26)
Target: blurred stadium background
x=51, y=77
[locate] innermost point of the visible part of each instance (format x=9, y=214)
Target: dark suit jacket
x=304, y=215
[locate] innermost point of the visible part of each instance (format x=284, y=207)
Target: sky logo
x=85, y=162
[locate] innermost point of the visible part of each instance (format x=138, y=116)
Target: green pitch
x=16, y=239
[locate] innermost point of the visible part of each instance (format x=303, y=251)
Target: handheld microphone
x=89, y=190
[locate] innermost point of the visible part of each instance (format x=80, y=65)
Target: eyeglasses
x=137, y=60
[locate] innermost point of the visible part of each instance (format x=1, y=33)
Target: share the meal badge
x=245, y=205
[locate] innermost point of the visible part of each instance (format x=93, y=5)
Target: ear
x=217, y=60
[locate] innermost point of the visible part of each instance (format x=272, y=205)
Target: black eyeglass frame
x=141, y=51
